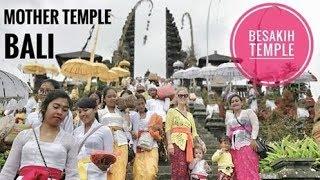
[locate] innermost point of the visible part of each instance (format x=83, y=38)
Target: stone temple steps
x=209, y=139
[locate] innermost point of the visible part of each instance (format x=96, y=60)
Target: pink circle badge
x=272, y=44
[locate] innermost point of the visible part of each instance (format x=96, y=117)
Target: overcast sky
x=223, y=16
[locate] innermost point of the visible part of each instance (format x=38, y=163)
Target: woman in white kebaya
x=146, y=160
x=34, y=118
x=46, y=151
x=91, y=136
x=119, y=125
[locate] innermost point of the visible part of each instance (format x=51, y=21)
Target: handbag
x=145, y=141
x=262, y=147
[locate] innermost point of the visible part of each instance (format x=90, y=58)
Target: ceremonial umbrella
x=33, y=67
x=11, y=87
x=229, y=71
x=82, y=69
x=99, y=68
x=306, y=77
x=124, y=63
x=178, y=64
x=192, y=72
x=178, y=74
x=78, y=69
x=208, y=71
x=108, y=76
x=52, y=69
x=121, y=72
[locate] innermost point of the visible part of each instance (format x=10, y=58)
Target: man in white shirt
x=156, y=105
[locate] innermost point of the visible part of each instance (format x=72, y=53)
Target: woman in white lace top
x=93, y=136
x=145, y=164
x=34, y=118
x=114, y=119
x=242, y=127
x=46, y=151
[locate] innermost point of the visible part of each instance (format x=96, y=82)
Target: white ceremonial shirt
x=159, y=106
x=60, y=154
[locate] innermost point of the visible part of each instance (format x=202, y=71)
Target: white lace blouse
x=121, y=137
x=60, y=154
x=101, y=139
x=142, y=125
x=239, y=136
x=159, y=106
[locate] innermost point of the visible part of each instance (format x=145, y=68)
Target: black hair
x=55, y=94
x=126, y=91
x=98, y=93
x=106, y=89
x=54, y=83
x=232, y=96
x=139, y=96
x=22, y=110
x=104, y=93
x=87, y=102
x=224, y=138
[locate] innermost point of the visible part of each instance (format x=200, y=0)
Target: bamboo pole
x=88, y=86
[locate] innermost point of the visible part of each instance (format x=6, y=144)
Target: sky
x=222, y=18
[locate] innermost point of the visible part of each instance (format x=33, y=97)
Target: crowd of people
x=135, y=125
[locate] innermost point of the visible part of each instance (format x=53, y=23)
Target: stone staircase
x=209, y=139
x=208, y=131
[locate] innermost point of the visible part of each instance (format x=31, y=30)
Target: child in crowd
x=223, y=157
x=20, y=116
x=199, y=167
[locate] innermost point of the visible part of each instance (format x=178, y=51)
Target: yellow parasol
x=33, y=67
x=78, y=69
x=108, y=76
x=99, y=68
x=83, y=69
x=121, y=72
x=52, y=69
x=124, y=63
